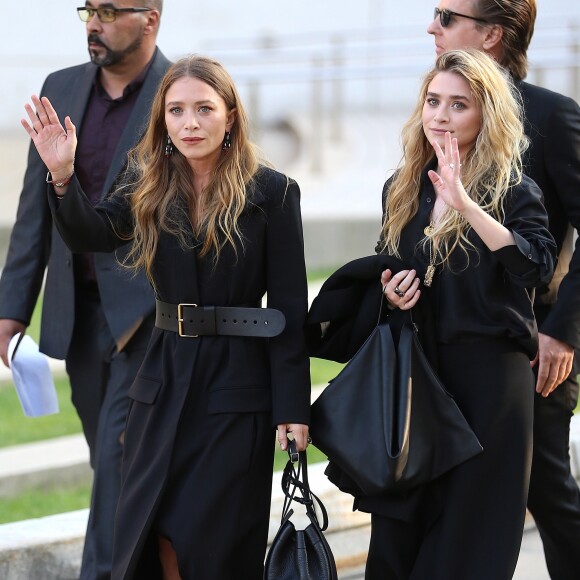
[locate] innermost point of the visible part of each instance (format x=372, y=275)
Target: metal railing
x=323, y=74
x=320, y=75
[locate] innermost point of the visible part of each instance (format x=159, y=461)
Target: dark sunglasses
x=445, y=16
x=106, y=14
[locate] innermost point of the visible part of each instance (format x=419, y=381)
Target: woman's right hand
x=8, y=328
x=55, y=144
x=402, y=289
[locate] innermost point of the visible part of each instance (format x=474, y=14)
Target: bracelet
x=65, y=181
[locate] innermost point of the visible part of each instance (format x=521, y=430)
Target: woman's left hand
x=447, y=182
x=402, y=289
x=299, y=432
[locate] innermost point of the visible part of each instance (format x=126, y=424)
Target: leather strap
x=190, y=320
x=295, y=478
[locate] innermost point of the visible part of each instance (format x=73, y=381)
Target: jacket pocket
x=145, y=390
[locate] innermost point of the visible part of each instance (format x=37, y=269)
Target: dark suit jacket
x=35, y=244
x=553, y=162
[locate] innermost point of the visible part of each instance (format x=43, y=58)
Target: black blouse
x=489, y=296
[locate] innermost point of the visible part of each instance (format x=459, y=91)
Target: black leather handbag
x=300, y=554
x=386, y=422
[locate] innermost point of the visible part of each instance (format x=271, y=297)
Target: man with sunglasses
x=504, y=29
x=95, y=316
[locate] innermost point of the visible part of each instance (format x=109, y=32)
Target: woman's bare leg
x=168, y=560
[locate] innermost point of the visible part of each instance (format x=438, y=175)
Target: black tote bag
x=386, y=421
x=300, y=554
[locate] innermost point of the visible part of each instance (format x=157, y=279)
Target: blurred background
x=327, y=84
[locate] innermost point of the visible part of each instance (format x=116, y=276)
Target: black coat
x=552, y=122
x=230, y=374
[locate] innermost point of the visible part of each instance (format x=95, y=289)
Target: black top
x=254, y=374
x=487, y=297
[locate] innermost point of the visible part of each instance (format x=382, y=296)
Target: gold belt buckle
x=180, y=320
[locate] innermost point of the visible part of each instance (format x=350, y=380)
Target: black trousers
x=100, y=378
x=554, y=498
x=468, y=523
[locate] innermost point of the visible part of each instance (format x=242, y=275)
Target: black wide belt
x=191, y=320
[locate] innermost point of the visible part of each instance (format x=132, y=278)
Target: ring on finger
x=398, y=292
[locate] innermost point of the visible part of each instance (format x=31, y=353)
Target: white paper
x=32, y=378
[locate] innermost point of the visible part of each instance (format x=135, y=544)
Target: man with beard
x=504, y=29
x=95, y=315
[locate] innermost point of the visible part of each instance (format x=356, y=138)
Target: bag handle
x=295, y=478
x=409, y=312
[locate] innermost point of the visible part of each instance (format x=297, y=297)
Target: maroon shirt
x=103, y=123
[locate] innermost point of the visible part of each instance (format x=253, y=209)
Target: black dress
x=200, y=436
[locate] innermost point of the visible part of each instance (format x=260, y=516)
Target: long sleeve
x=85, y=228
x=29, y=248
x=531, y=260
x=288, y=291
x=562, y=163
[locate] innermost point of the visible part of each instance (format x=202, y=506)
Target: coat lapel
x=80, y=98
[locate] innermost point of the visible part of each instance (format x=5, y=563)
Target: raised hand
x=448, y=187
x=447, y=182
x=55, y=144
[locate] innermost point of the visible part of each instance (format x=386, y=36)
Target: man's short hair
x=517, y=19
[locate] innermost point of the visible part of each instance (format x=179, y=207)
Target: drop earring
x=227, y=144
x=168, y=147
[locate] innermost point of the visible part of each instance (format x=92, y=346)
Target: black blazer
x=35, y=244
x=553, y=161
x=219, y=374
x=273, y=374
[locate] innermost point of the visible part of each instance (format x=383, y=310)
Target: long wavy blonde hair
x=161, y=189
x=489, y=168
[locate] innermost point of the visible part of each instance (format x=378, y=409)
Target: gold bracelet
x=65, y=181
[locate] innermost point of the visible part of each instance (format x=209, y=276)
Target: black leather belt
x=191, y=320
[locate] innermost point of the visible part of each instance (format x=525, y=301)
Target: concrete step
x=49, y=548
x=61, y=461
